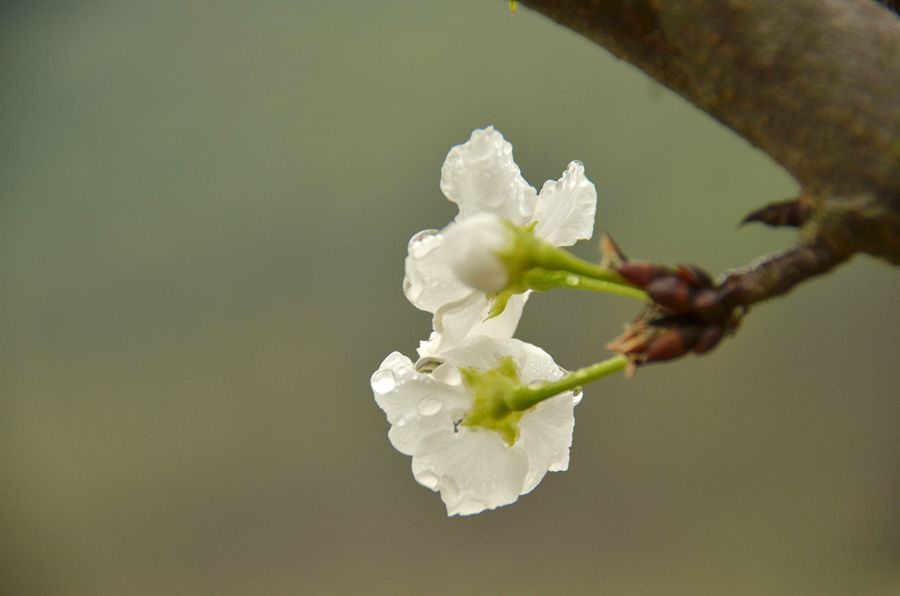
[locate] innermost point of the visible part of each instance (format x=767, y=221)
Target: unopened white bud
x=473, y=248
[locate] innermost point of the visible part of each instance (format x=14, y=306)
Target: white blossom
x=473, y=245
x=481, y=177
x=474, y=469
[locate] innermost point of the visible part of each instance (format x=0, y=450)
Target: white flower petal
x=447, y=373
x=566, y=208
x=430, y=347
x=429, y=282
x=456, y=322
x=536, y=365
x=481, y=176
x=546, y=436
x=407, y=439
x=503, y=325
x=453, y=322
x=533, y=363
x=474, y=470
x=415, y=404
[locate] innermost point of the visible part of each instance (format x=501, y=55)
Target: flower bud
x=474, y=246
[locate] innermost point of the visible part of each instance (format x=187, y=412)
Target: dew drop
x=428, y=480
x=422, y=243
x=452, y=376
x=572, y=280
x=383, y=381
x=577, y=394
x=401, y=422
x=429, y=406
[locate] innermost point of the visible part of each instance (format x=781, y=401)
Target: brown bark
x=813, y=83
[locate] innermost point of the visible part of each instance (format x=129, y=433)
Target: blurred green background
x=204, y=208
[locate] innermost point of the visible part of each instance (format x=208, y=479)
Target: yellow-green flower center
x=493, y=390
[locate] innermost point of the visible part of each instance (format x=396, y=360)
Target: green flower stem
x=526, y=397
x=543, y=280
x=550, y=257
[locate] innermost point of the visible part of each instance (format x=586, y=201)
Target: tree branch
x=777, y=274
x=813, y=83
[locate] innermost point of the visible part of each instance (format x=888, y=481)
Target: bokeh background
x=204, y=208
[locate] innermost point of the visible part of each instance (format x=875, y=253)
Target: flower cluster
x=474, y=468
x=465, y=410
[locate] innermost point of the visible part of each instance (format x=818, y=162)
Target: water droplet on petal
x=383, y=381
x=428, y=480
x=421, y=244
x=452, y=376
x=401, y=422
x=429, y=406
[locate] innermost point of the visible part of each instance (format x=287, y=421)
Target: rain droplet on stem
x=577, y=394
